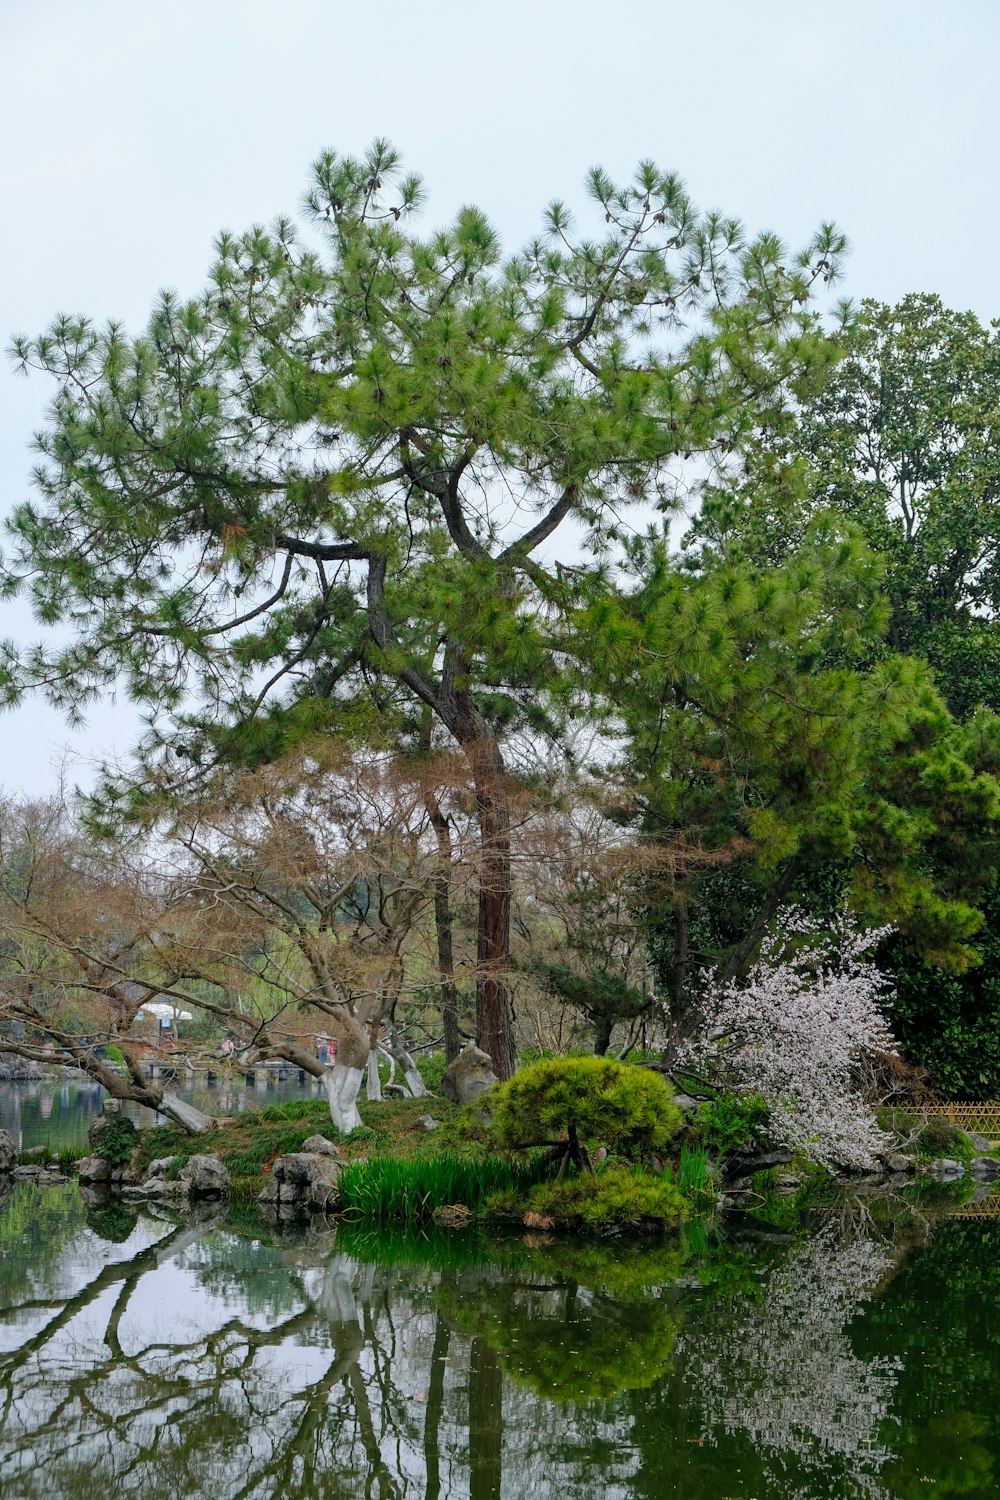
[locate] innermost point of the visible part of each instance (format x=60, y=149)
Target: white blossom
x=796, y=1031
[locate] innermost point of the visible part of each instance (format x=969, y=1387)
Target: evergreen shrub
x=557, y=1100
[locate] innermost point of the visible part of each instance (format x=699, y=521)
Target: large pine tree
x=351, y=460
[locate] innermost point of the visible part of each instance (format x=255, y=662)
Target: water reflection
x=57, y=1113
x=143, y=1356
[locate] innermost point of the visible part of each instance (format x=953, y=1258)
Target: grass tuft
x=385, y=1189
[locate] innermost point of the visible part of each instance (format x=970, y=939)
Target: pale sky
x=132, y=134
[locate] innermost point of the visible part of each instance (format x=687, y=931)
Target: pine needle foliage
x=319, y=491
x=562, y=1100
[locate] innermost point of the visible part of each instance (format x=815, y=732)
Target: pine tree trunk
x=193, y=1120
x=343, y=1084
x=133, y=1089
x=374, y=1081
x=605, y=1026
x=443, y=929
x=494, y=1014
x=343, y=1081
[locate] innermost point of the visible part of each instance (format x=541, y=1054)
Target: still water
x=144, y=1356
x=58, y=1113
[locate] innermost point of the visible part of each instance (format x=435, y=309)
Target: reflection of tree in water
x=206, y=1365
x=567, y=1340
x=194, y=1360
x=940, y=1312
x=780, y=1370
x=35, y=1225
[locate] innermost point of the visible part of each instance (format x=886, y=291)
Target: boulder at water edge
x=205, y=1176
x=8, y=1152
x=303, y=1182
x=94, y=1169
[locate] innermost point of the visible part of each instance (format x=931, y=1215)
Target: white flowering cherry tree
x=797, y=1029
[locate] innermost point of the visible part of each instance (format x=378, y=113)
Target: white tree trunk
x=374, y=1081
x=414, y=1081
x=186, y=1115
x=343, y=1084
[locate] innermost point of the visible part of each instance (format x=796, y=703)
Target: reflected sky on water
x=221, y=1358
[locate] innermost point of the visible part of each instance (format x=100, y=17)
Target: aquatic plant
x=694, y=1172
x=386, y=1188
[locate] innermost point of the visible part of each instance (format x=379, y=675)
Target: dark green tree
x=774, y=745
x=903, y=440
x=331, y=483
x=900, y=445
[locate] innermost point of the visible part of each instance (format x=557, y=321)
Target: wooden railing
x=984, y=1117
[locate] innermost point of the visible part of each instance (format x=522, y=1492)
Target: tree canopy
x=326, y=489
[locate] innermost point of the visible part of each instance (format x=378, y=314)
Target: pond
x=57, y=1112
x=144, y=1356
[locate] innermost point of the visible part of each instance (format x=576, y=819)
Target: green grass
x=387, y=1189
x=694, y=1173
x=250, y=1142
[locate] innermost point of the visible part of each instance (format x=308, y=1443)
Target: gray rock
x=470, y=1075
x=985, y=1168
x=686, y=1103
x=320, y=1146
x=760, y=1161
x=8, y=1152
x=899, y=1163
x=979, y=1142
x=296, y=1167
x=427, y=1122
x=159, y=1187
x=205, y=1177
x=787, y=1181
x=945, y=1169
x=93, y=1169
x=14, y=1069
x=160, y=1166
x=305, y=1181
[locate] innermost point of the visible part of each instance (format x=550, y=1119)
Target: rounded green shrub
x=560, y=1100
x=619, y=1197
